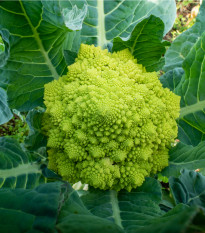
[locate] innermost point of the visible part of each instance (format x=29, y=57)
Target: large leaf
x=189, y=188
x=109, y=19
x=35, y=35
x=75, y=217
x=134, y=212
x=179, y=219
x=28, y=210
x=187, y=51
x=126, y=211
x=191, y=89
x=17, y=168
x=126, y=208
x=56, y=207
x=185, y=156
x=5, y=112
x=145, y=43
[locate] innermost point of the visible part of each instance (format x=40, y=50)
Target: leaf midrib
x=20, y=170
x=38, y=40
x=102, y=41
x=115, y=208
x=199, y=106
x=136, y=40
x=196, y=197
x=186, y=163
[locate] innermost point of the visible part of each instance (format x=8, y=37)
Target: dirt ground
x=187, y=11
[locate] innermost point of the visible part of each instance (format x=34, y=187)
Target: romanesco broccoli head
x=109, y=122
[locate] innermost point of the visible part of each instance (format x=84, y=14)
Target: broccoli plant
x=109, y=122
x=112, y=146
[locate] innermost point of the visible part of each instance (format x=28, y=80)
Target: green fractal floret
x=109, y=122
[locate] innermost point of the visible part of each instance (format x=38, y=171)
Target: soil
x=186, y=13
x=5, y=129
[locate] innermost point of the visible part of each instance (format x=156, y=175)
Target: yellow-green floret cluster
x=109, y=122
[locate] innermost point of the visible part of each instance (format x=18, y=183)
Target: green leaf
x=181, y=46
x=56, y=207
x=129, y=210
x=179, y=219
x=74, y=217
x=145, y=43
x=17, y=169
x=86, y=224
x=25, y=210
x=185, y=156
x=109, y=19
x=187, y=51
x=191, y=89
x=188, y=134
x=109, y=211
x=189, y=188
x=112, y=211
x=35, y=36
x=35, y=138
x=5, y=112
